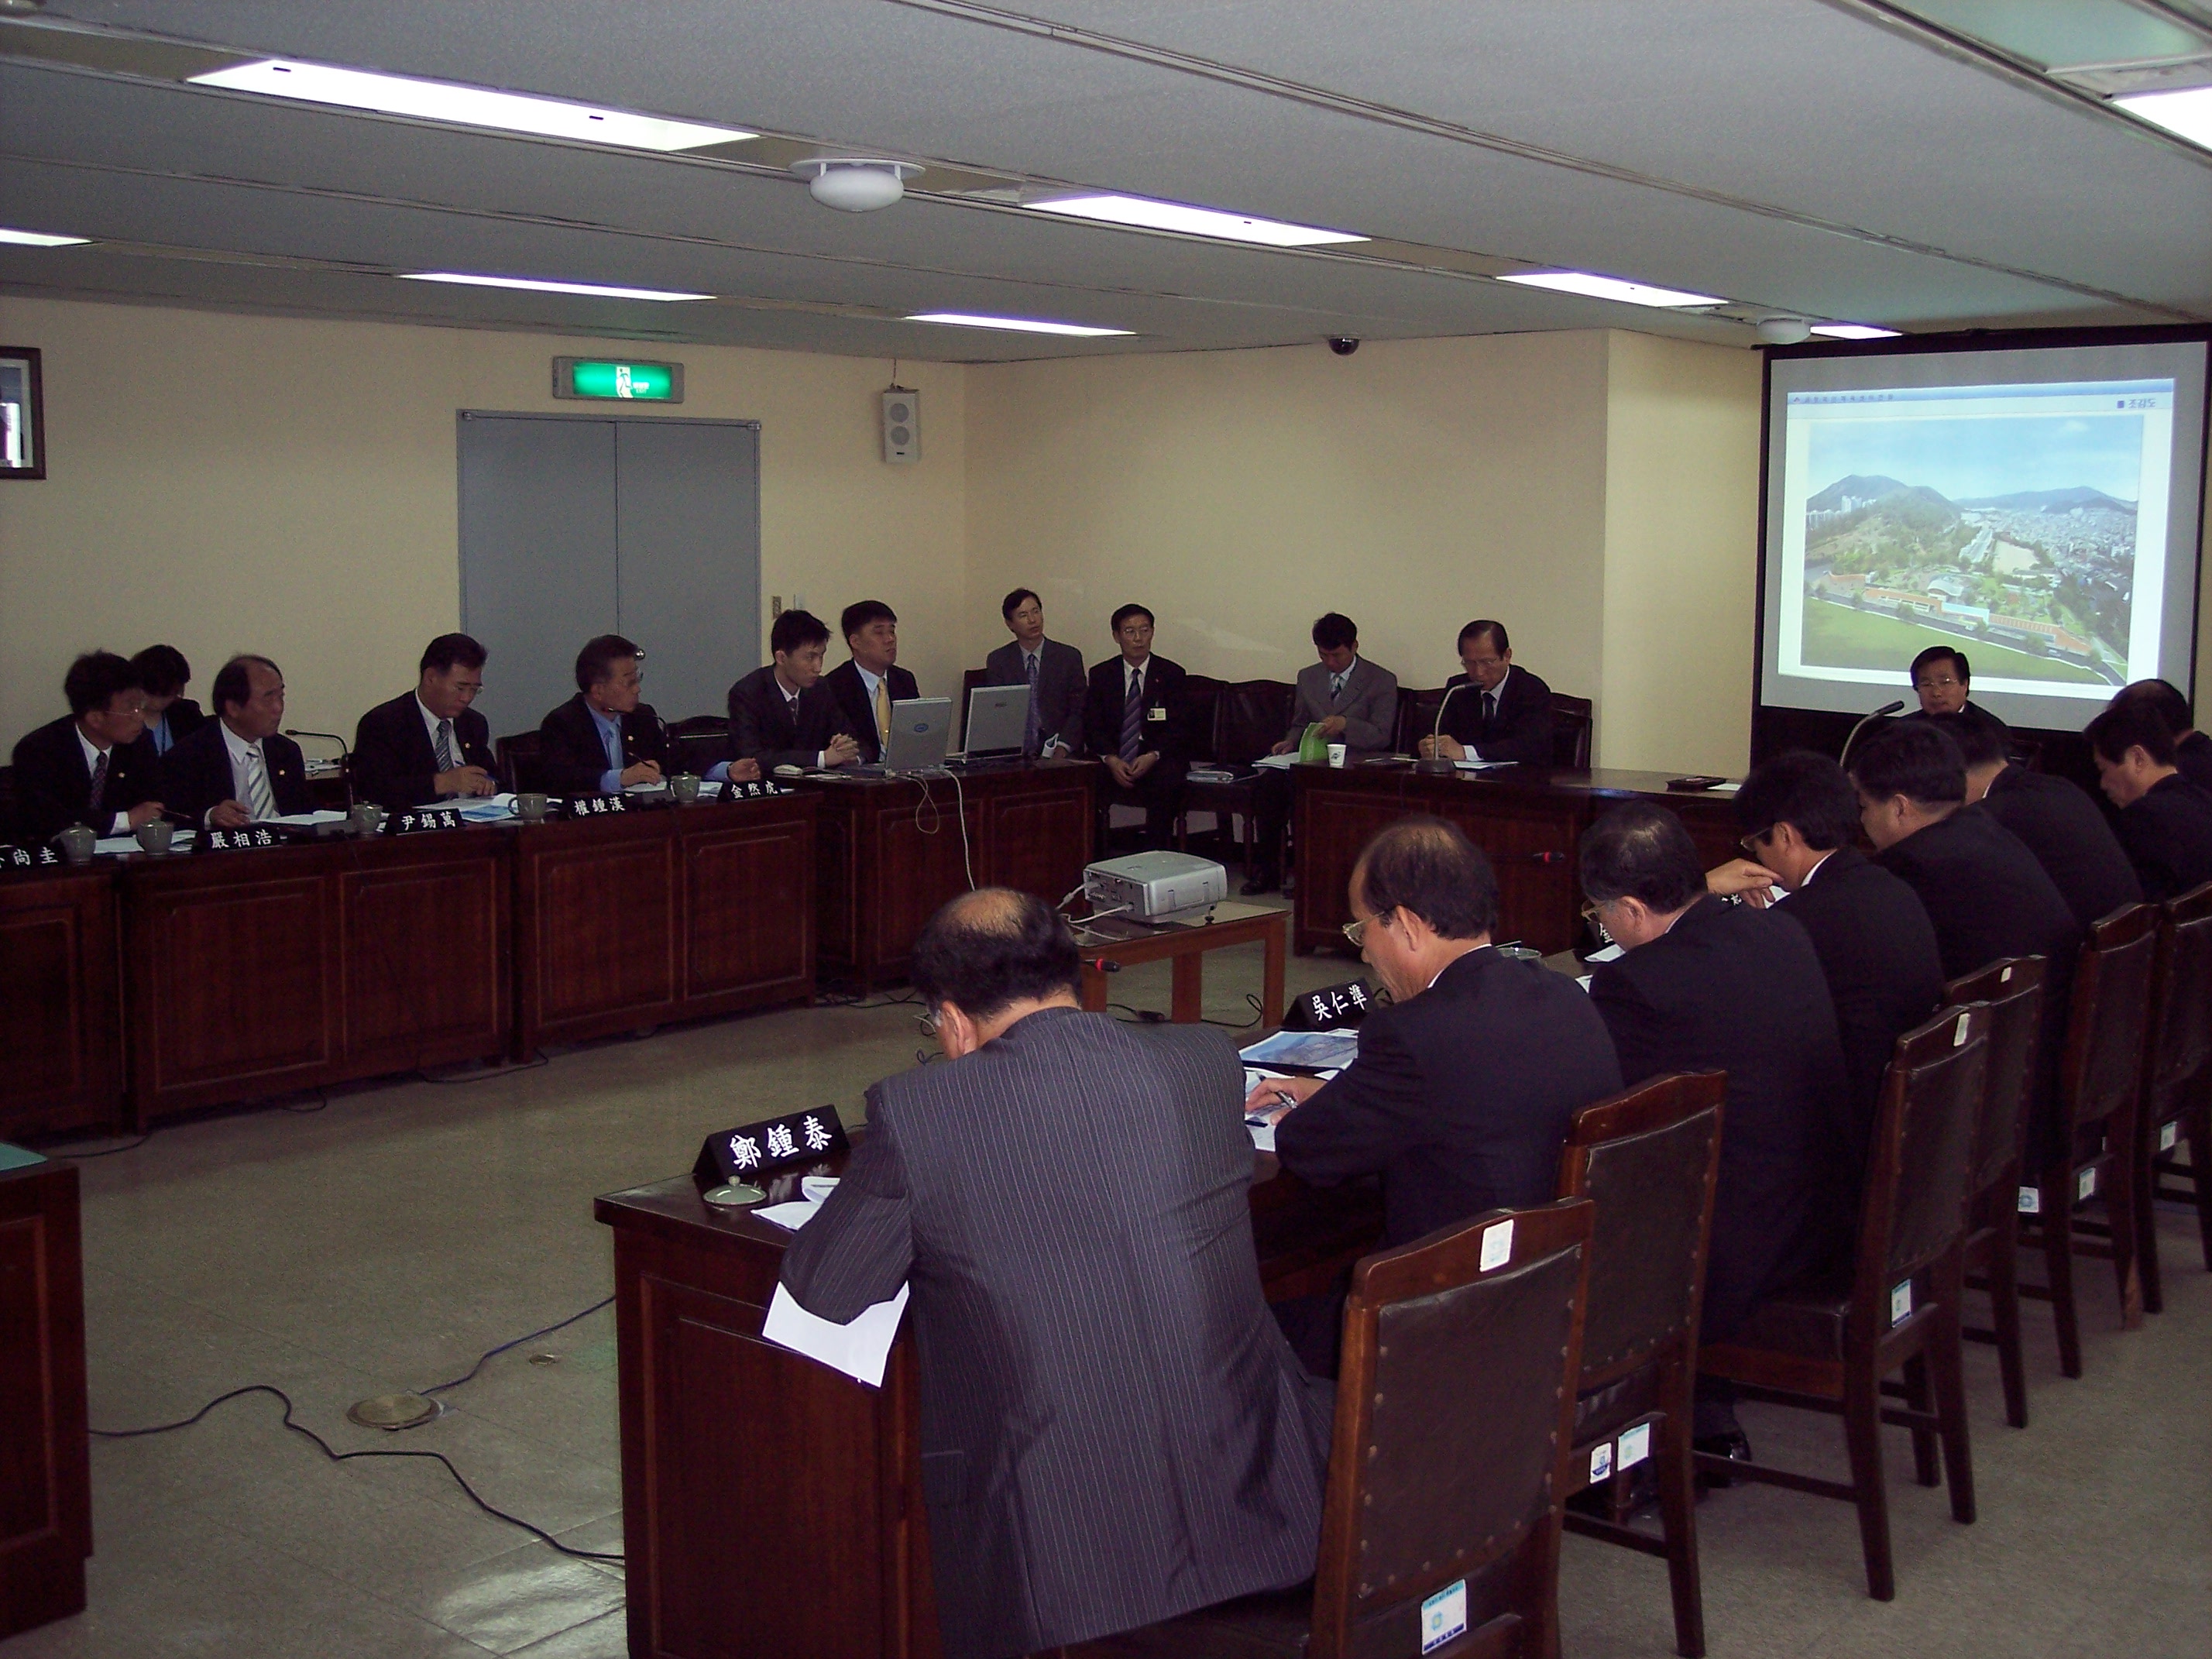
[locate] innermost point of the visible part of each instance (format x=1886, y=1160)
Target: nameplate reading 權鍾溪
x=752, y=1149
x=414, y=820
x=241, y=840
x=592, y=806
x=13, y=857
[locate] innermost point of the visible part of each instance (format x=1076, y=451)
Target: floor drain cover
x=392, y=1411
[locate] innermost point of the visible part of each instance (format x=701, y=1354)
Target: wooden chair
x=1455, y=1397
x=1649, y=1159
x=1249, y=718
x=2012, y=988
x=2099, y=1086
x=2177, y=1084
x=1573, y=725
x=515, y=756
x=1828, y=1350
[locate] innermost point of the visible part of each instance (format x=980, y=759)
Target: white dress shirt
x=244, y=755
x=92, y=751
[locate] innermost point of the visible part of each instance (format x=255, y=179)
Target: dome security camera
x=1783, y=329
x=1343, y=344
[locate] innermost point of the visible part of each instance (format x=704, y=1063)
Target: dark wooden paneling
x=60, y=966
x=1038, y=842
x=425, y=956
x=749, y=907
x=606, y=934
x=45, y=1475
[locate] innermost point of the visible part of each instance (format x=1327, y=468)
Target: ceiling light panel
x=1853, y=331
x=538, y=285
x=1014, y=325
x=2185, y=115
x=1595, y=286
x=1141, y=214
x=468, y=106
x=39, y=238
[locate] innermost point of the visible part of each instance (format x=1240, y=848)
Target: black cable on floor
x=336, y=1456
x=490, y=1071
x=105, y=1152
x=489, y=1354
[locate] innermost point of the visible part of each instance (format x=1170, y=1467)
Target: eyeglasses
x=1750, y=844
x=1942, y=684
x=1357, y=931
x=1591, y=907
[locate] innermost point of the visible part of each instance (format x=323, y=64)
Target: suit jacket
x=394, y=762
x=2062, y=827
x=1167, y=723
x=1369, y=703
x=1523, y=729
x=762, y=728
x=1970, y=711
x=853, y=702
x=2193, y=754
x=196, y=774
x=2168, y=837
x=572, y=757
x=184, y=717
x=1062, y=689
x=1461, y=1097
x=1735, y=989
x=1113, y=1429
x=1877, y=950
x=54, y=784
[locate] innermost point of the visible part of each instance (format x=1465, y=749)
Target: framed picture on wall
x=22, y=414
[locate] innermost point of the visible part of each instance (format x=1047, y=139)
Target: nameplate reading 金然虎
x=414, y=820
x=592, y=806
x=752, y=1149
x=759, y=789
x=241, y=840
x=13, y=857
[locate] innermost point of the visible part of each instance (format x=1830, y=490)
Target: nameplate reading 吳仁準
x=752, y=1149
x=13, y=857
x=1332, y=1008
x=416, y=819
x=241, y=840
x=592, y=806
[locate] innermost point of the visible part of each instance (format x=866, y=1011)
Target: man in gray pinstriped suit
x=1113, y=1431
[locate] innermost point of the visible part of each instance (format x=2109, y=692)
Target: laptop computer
x=998, y=720
x=921, y=728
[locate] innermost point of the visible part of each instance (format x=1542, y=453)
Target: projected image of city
x=2013, y=539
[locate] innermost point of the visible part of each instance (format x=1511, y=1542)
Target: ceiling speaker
x=901, y=425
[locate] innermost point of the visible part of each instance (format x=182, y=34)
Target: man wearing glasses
x=1941, y=679
x=603, y=739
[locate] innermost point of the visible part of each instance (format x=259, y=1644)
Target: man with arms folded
x=2192, y=750
x=238, y=769
x=92, y=765
x=1876, y=945
x=1498, y=711
x=1113, y=1429
x=1708, y=987
x=1941, y=681
x=427, y=744
x=1137, y=721
x=2166, y=821
x=1465, y=1084
x=1352, y=701
x=782, y=714
x=867, y=686
x=1052, y=672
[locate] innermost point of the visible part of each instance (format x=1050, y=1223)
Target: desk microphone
x=1104, y=964
x=1433, y=761
x=1882, y=712
x=345, y=751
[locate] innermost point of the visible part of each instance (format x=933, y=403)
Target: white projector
x=1148, y=886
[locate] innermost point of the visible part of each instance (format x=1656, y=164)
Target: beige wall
x=229, y=483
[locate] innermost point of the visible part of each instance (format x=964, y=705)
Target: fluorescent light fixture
x=2185, y=114
x=1853, y=331
x=1609, y=288
x=538, y=286
x=1192, y=220
x=1013, y=325
x=39, y=238
x=468, y=106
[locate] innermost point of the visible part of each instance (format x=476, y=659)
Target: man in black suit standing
x=171, y=716
x=867, y=685
x=1492, y=711
x=1113, y=1429
x=238, y=769
x=782, y=714
x=2192, y=750
x=2166, y=821
x=427, y=744
x=1706, y=986
x=1137, y=721
x=1876, y=945
x=1052, y=672
x=604, y=739
x=92, y=765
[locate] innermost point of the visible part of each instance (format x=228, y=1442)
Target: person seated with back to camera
x=2192, y=750
x=1352, y=701
x=1492, y=710
x=782, y=714
x=2166, y=821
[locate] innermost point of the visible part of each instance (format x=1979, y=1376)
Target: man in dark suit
x=603, y=739
x=2054, y=818
x=1941, y=682
x=1492, y=711
x=427, y=744
x=1351, y=700
x=93, y=766
x=1876, y=945
x=782, y=714
x=1704, y=985
x=171, y=716
x=1137, y=721
x=1113, y=1429
x=868, y=684
x=2166, y=821
x=1052, y=672
x=2192, y=750
x=239, y=768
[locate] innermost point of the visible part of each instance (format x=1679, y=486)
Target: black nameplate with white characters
x=759, y=789
x=745, y=1153
x=13, y=857
x=414, y=820
x=248, y=839
x=592, y=806
x=1333, y=1008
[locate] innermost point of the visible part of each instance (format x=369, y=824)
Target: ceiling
x=1826, y=158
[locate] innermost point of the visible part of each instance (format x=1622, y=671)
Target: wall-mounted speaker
x=901, y=424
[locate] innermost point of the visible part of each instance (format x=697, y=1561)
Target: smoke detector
x=854, y=183
x=1780, y=330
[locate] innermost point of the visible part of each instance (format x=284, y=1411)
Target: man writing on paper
x=1351, y=700
x=1113, y=1429
x=2166, y=821
x=427, y=744
x=1498, y=713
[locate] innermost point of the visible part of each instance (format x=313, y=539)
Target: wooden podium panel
x=424, y=929
x=749, y=905
x=60, y=1025
x=45, y=1465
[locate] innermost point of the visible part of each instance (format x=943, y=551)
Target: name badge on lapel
x=1157, y=712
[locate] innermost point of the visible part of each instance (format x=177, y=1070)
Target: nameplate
x=592, y=806
x=416, y=819
x=241, y=840
x=13, y=857
x=752, y=1149
x=757, y=791
x=1332, y=1008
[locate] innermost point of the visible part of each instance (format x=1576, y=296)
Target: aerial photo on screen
x=2013, y=539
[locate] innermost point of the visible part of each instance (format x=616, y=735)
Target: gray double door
x=576, y=525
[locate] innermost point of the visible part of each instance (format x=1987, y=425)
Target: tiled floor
x=384, y=1242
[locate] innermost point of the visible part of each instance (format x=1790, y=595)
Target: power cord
x=491, y=1353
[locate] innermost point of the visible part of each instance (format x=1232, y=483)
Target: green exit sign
x=597, y=378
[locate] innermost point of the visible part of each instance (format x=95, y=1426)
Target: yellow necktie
x=883, y=711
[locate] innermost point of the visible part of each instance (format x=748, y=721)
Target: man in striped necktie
x=238, y=769
x=1137, y=720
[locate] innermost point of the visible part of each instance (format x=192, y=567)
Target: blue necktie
x=1132, y=720
x=614, y=749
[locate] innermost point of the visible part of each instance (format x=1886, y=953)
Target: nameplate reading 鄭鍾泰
x=592, y=806
x=241, y=840
x=13, y=857
x=414, y=820
x=751, y=1149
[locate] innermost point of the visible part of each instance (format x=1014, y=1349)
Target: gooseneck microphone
x=345, y=752
x=1433, y=761
x=1880, y=714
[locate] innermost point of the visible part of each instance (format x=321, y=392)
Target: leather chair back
x=1649, y=1159
x=516, y=757
x=1923, y=1152
x=1416, y=717
x=1202, y=690
x=698, y=741
x=968, y=682
x=2012, y=988
x=1572, y=726
x=2110, y=1014
x=2181, y=1037
x=1456, y=1393
x=1249, y=718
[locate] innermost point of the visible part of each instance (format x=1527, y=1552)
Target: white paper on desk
x=1468, y=763
x=488, y=809
x=1283, y=762
x=1583, y=980
x=1311, y=1050
x=860, y=1350
x=114, y=846
x=1611, y=953
x=309, y=820
x=1725, y=789
x=794, y=1215
x=1263, y=1137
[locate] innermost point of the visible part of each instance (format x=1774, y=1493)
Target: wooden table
x=771, y=1505
x=46, y=1466
x=1185, y=947
x=60, y=1002
x=1530, y=821
x=891, y=852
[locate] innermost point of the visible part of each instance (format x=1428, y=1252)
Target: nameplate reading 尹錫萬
x=414, y=820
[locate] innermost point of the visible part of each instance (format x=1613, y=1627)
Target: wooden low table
x=1186, y=945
